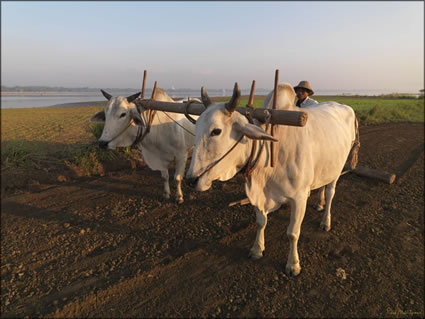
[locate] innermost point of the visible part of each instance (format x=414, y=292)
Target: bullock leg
x=180, y=166
x=257, y=249
x=330, y=192
x=298, y=207
x=320, y=205
x=166, y=177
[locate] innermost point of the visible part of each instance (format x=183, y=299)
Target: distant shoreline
x=18, y=101
x=42, y=92
x=76, y=104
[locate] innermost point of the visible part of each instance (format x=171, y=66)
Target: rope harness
x=186, y=112
x=353, y=158
x=140, y=136
x=251, y=163
x=179, y=124
x=151, y=115
x=210, y=166
x=116, y=136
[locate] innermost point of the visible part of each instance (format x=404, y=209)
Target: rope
x=353, y=158
x=219, y=160
x=248, y=167
x=140, y=137
x=179, y=124
x=116, y=136
x=186, y=112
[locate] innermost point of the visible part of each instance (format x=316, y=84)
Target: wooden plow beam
x=382, y=176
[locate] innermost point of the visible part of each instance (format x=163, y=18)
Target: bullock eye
x=123, y=114
x=215, y=132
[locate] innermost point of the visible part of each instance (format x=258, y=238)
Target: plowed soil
x=110, y=246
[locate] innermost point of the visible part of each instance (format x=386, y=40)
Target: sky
x=334, y=45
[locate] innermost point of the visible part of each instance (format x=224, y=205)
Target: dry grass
x=65, y=125
x=36, y=136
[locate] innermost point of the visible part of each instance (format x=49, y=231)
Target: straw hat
x=305, y=85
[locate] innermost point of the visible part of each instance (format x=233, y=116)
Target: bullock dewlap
x=161, y=137
x=307, y=158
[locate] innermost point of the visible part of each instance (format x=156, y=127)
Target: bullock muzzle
x=103, y=144
x=191, y=181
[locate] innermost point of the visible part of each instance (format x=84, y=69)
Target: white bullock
x=165, y=142
x=307, y=158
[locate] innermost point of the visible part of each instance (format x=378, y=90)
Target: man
x=303, y=91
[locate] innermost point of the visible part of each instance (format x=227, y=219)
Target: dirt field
x=109, y=246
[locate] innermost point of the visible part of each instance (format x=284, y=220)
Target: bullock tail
x=353, y=157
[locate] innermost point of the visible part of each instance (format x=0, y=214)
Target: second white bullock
x=171, y=135
x=307, y=158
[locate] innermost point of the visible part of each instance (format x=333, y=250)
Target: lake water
x=47, y=99
x=31, y=100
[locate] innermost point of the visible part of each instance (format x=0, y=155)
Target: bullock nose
x=191, y=181
x=103, y=144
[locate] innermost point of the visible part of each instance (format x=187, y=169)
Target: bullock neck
x=130, y=135
x=259, y=156
x=282, y=133
x=248, y=148
x=248, y=154
x=133, y=130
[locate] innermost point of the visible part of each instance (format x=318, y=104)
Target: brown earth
x=109, y=246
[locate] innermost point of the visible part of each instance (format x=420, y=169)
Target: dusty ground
x=109, y=246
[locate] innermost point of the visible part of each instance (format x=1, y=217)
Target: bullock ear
x=135, y=115
x=99, y=117
x=106, y=95
x=205, y=98
x=131, y=98
x=254, y=132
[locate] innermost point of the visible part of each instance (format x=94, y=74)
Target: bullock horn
x=131, y=98
x=107, y=95
x=234, y=101
x=205, y=98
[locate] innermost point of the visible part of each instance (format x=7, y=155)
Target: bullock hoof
x=166, y=196
x=180, y=200
x=325, y=227
x=293, y=270
x=318, y=207
x=255, y=254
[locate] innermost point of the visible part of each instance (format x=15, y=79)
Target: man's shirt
x=307, y=102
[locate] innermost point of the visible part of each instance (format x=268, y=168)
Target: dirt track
x=109, y=246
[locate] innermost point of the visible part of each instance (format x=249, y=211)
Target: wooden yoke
x=272, y=146
x=142, y=96
x=154, y=91
x=152, y=112
x=251, y=95
x=278, y=117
